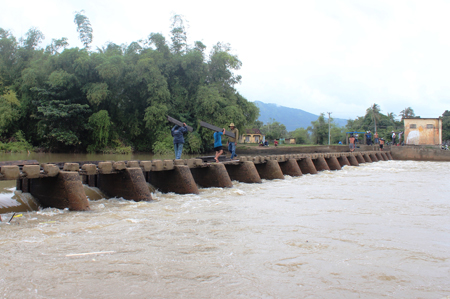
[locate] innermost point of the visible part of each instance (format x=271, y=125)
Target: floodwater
x=377, y=230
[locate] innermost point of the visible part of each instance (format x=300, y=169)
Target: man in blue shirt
x=178, y=139
x=218, y=144
x=369, y=138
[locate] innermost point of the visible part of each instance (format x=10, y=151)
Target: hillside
x=292, y=118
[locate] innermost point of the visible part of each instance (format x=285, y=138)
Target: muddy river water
x=377, y=230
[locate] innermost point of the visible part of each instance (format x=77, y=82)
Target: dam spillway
x=61, y=185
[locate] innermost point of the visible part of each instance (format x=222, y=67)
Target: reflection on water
x=378, y=230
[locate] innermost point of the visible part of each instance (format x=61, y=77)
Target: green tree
x=62, y=119
x=8, y=57
x=446, y=126
x=221, y=66
x=9, y=112
x=407, y=113
x=301, y=136
x=57, y=45
x=67, y=96
x=374, y=113
x=391, y=116
x=319, y=130
x=178, y=35
x=84, y=28
x=99, y=124
x=274, y=130
x=337, y=134
x=33, y=38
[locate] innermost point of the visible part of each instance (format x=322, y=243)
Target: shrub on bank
x=17, y=144
x=116, y=147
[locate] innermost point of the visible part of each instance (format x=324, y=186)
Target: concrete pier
x=129, y=183
x=215, y=175
x=270, y=170
x=307, y=165
x=333, y=163
x=353, y=161
x=64, y=190
x=290, y=167
x=178, y=180
x=59, y=185
x=343, y=161
x=379, y=156
x=373, y=157
x=360, y=158
x=367, y=158
x=244, y=172
x=388, y=154
x=321, y=164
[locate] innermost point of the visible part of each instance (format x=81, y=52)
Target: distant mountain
x=292, y=118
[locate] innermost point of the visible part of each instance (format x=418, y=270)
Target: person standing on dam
x=351, y=140
x=369, y=138
x=218, y=144
x=381, y=144
x=178, y=139
x=232, y=142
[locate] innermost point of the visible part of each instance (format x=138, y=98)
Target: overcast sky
x=320, y=56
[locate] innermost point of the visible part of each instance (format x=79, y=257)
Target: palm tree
x=407, y=113
x=391, y=116
x=374, y=113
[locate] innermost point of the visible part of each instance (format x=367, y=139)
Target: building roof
x=253, y=131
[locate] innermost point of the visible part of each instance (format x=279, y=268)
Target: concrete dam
x=60, y=185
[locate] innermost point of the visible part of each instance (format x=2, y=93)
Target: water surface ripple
x=378, y=230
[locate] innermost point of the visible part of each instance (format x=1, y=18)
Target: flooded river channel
x=377, y=230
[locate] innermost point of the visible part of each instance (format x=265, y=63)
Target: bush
x=163, y=144
x=18, y=144
x=193, y=143
x=116, y=147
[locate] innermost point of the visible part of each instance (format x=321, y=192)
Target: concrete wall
x=272, y=150
x=419, y=153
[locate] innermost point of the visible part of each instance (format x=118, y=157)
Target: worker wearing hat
x=232, y=142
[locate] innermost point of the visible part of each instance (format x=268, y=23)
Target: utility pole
x=329, y=128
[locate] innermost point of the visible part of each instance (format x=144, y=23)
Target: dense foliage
x=320, y=129
x=71, y=99
x=273, y=130
x=446, y=127
x=374, y=120
x=317, y=133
